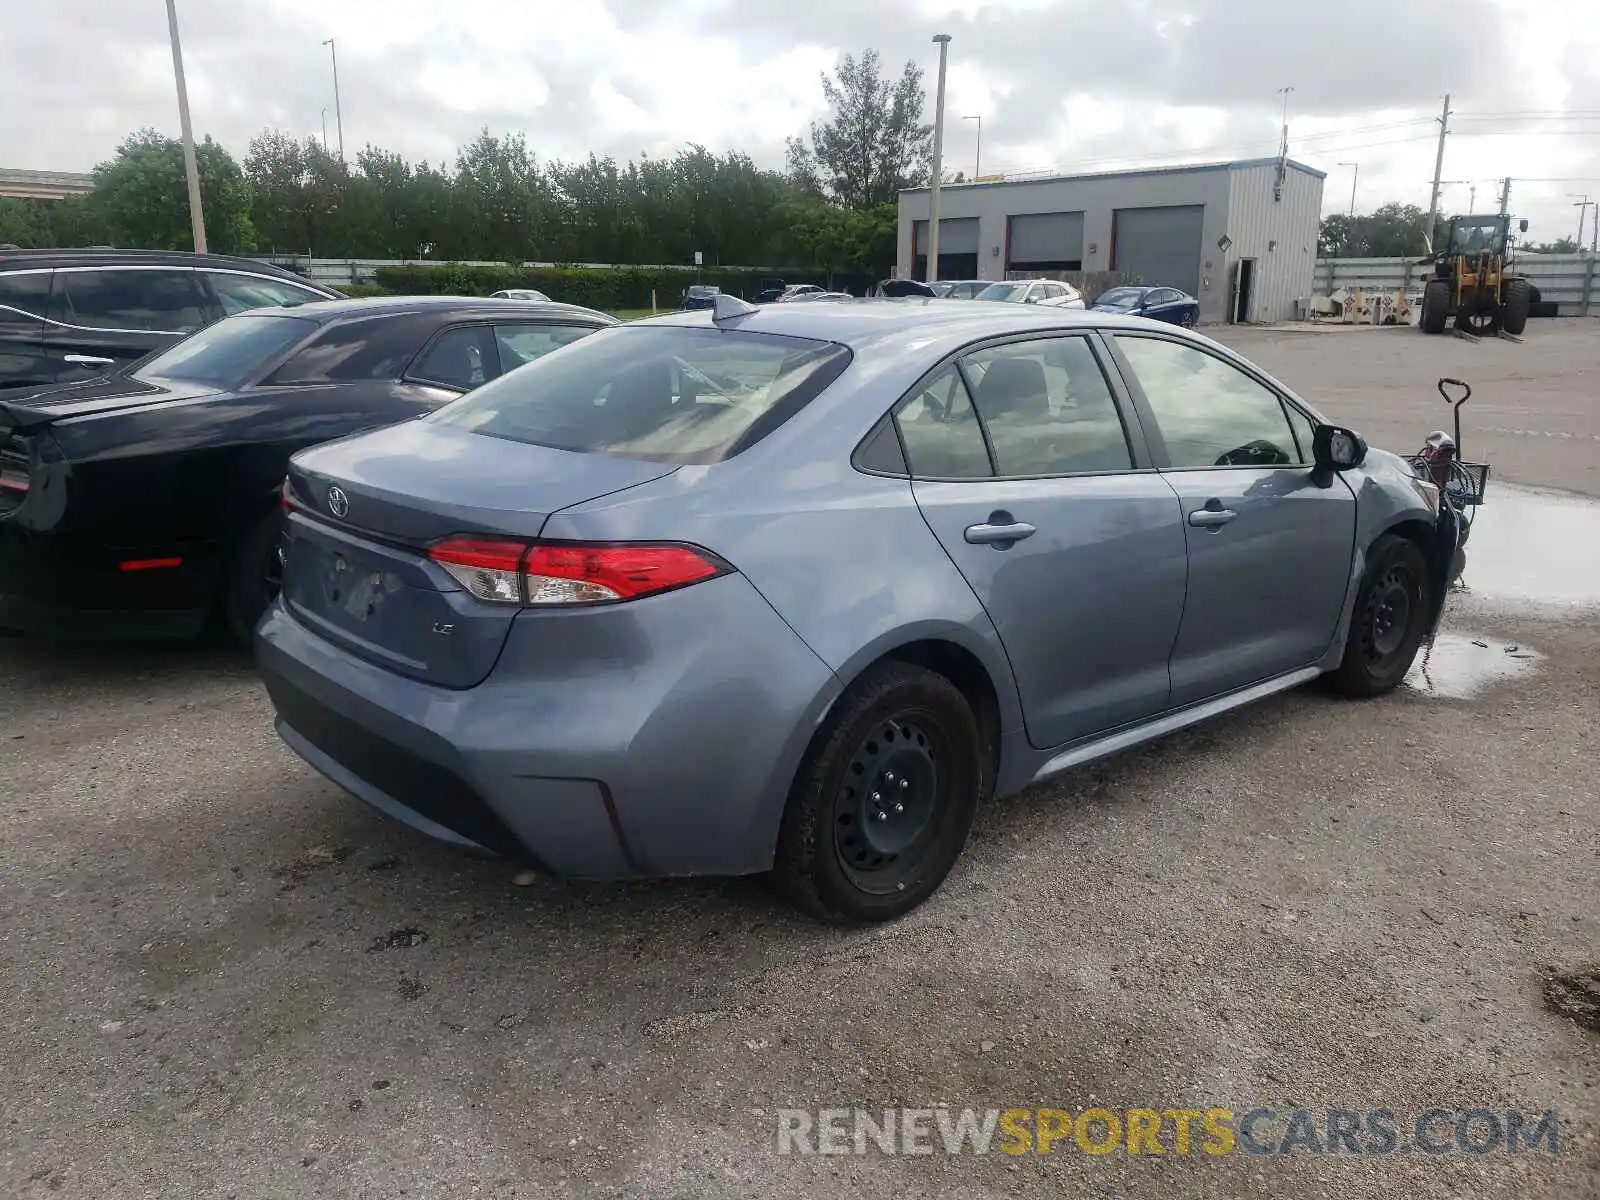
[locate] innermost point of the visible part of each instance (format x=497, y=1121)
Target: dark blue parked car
x=700, y=295
x=1157, y=303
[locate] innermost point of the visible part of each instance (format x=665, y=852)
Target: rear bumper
x=52, y=588
x=657, y=738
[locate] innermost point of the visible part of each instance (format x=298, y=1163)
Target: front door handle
x=88, y=360
x=1212, y=516
x=1000, y=530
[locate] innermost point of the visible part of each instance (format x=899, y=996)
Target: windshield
x=1120, y=298
x=1476, y=236
x=665, y=394
x=228, y=353
x=704, y=290
x=1003, y=291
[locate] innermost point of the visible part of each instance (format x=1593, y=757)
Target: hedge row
x=606, y=288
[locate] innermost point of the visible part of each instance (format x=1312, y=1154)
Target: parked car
x=902, y=288
x=141, y=502
x=1157, y=303
x=820, y=295
x=959, y=289
x=535, y=621
x=1048, y=292
x=519, y=294
x=795, y=290
x=769, y=295
x=74, y=314
x=700, y=295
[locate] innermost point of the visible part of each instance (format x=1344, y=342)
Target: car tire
x=902, y=742
x=1518, y=303
x=1389, y=621
x=253, y=575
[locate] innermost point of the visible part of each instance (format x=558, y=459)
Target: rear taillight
x=286, y=495
x=488, y=569
x=506, y=572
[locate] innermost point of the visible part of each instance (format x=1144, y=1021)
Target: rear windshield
x=661, y=393
x=230, y=352
x=1120, y=298
x=1002, y=291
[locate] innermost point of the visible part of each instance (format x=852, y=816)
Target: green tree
x=1563, y=245
x=874, y=143
x=142, y=199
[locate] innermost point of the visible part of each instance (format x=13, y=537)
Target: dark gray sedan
x=795, y=588
x=1157, y=303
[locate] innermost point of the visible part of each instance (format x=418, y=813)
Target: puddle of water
x=1459, y=665
x=1535, y=548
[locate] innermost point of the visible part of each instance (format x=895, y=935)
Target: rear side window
x=157, y=301
x=660, y=393
x=458, y=358
x=24, y=298
x=940, y=429
x=241, y=293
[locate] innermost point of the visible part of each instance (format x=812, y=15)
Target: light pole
x=338, y=112
x=1284, y=92
x=1355, y=173
x=977, y=154
x=190, y=167
x=943, y=41
x=324, y=128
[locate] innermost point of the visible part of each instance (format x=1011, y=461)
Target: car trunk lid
x=365, y=511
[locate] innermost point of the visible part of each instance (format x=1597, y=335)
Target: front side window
x=458, y=358
x=1120, y=298
x=664, y=393
x=229, y=352
x=158, y=301
x=1048, y=408
x=241, y=293
x=521, y=344
x=1210, y=413
x=940, y=430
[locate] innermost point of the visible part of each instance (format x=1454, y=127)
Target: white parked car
x=519, y=294
x=1049, y=292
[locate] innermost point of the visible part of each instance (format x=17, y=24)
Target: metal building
x=1240, y=236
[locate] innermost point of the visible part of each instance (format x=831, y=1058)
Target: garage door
x=1046, y=242
x=1160, y=246
x=957, y=235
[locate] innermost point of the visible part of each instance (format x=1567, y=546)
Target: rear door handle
x=998, y=534
x=1212, y=516
x=88, y=360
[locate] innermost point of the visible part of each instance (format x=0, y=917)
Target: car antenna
x=729, y=308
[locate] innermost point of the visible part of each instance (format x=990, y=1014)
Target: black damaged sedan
x=145, y=502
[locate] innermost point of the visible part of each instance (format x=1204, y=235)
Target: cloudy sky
x=1059, y=84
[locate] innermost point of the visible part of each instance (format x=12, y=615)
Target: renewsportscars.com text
x=1151, y=1131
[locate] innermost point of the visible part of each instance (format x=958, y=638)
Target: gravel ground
x=221, y=977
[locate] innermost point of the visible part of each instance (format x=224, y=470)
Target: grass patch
x=633, y=314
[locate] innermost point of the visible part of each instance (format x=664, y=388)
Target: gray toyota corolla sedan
x=794, y=588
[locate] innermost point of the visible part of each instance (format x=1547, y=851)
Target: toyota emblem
x=338, y=503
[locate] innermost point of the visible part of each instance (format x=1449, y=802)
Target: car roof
x=888, y=325
x=473, y=306
x=22, y=260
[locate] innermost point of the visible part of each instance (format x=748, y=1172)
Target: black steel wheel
x=1479, y=315
x=881, y=808
x=1391, y=616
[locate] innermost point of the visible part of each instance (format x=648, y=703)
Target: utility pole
x=943, y=40
x=1355, y=174
x=1505, y=195
x=1472, y=198
x=1438, y=169
x=977, y=154
x=324, y=128
x=338, y=112
x=1583, y=211
x=191, y=168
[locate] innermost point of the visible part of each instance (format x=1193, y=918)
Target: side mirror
x=1522, y=225
x=1334, y=449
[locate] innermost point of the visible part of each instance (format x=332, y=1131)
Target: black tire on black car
x=1435, y=305
x=882, y=805
x=252, y=576
x=1518, y=304
x=1391, y=618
